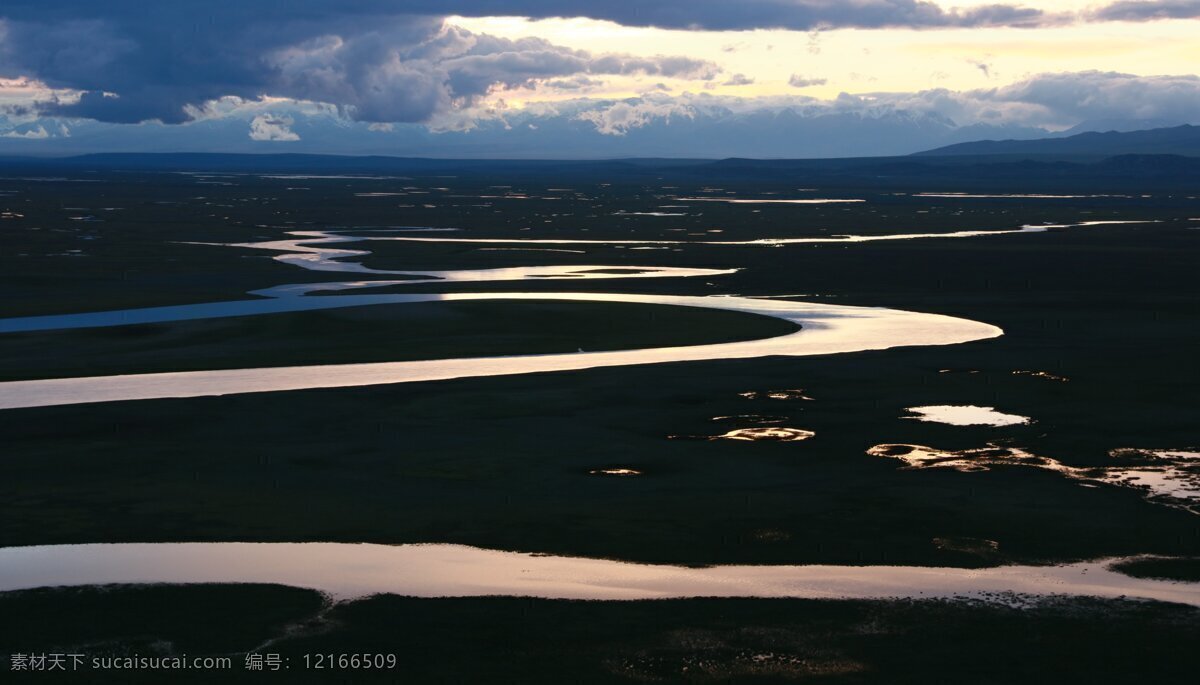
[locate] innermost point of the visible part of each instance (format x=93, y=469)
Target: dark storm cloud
x=393, y=60
x=136, y=62
x=1136, y=10
x=679, y=14
x=758, y=14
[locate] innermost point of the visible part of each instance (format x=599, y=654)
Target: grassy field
x=503, y=462
x=513, y=640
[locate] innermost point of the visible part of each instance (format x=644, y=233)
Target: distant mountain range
x=634, y=128
x=1177, y=140
x=1015, y=173
x=1163, y=158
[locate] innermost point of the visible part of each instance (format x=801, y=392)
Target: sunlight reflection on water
x=439, y=570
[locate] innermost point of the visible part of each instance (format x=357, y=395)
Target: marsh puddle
x=754, y=434
x=768, y=433
x=769, y=200
x=1046, y=375
x=965, y=415
x=979, y=459
x=619, y=472
x=346, y=571
x=1173, y=475
x=1168, y=477
x=1169, y=481
x=790, y=394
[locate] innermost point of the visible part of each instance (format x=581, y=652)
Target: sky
x=576, y=78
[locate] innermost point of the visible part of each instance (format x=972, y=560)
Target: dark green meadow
x=503, y=462
x=517, y=640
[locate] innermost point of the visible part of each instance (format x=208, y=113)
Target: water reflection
x=824, y=329
x=437, y=570
x=309, y=251
x=790, y=394
x=965, y=415
x=770, y=200
x=771, y=433
x=1168, y=477
x=624, y=472
x=773, y=242
x=1044, y=375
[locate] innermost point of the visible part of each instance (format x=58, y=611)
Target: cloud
x=272, y=128
x=1145, y=10
x=39, y=133
x=398, y=61
x=619, y=118
x=22, y=98
x=1069, y=98
x=670, y=124
x=1052, y=101
x=1046, y=101
x=983, y=67
x=574, y=83
x=798, y=81
x=801, y=15
x=814, y=42
x=659, y=65
x=168, y=60
x=381, y=61
x=738, y=80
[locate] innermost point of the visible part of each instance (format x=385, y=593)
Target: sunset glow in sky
x=893, y=59
x=391, y=72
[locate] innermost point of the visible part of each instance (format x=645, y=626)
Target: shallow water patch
x=789, y=394
x=621, y=472
x=769, y=433
x=965, y=415
x=755, y=434
x=1167, y=477
x=1045, y=375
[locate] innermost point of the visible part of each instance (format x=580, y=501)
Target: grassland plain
x=541, y=641
x=503, y=462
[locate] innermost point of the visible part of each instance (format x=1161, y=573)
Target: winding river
x=346, y=571
x=768, y=242
x=824, y=329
